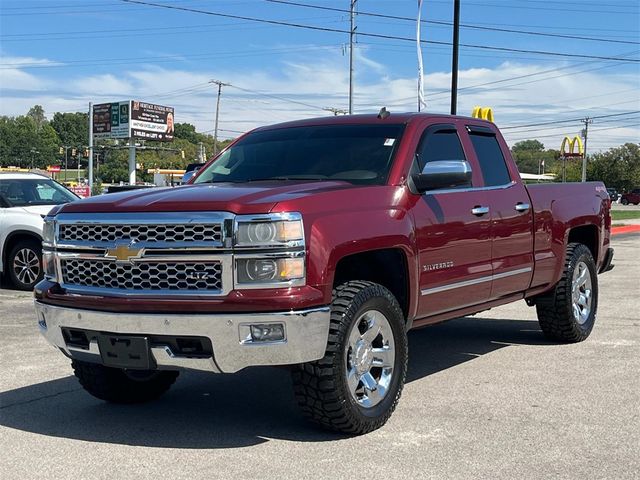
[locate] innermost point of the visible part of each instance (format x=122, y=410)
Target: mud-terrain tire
x=24, y=264
x=116, y=385
x=356, y=386
x=567, y=313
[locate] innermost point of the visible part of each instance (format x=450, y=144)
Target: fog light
x=262, y=333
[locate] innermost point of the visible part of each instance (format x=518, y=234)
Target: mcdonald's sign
x=484, y=113
x=571, y=143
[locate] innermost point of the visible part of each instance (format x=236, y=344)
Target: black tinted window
x=440, y=145
x=492, y=164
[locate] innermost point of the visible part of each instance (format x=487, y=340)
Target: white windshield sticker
x=388, y=142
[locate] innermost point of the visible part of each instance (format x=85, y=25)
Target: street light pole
x=454, y=60
x=215, y=130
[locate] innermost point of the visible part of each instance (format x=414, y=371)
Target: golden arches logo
x=484, y=113
x=571, y=142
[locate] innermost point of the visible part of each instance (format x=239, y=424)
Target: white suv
x=25, y=198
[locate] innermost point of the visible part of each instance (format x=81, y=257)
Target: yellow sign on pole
x=571, y=142
x=484, y=113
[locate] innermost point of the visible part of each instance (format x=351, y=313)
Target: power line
x=463, y=25
x=373, y=35
x=569, y=120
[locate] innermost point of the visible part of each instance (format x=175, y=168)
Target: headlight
x=49, y=232
x=269, y=272
x=271, y=230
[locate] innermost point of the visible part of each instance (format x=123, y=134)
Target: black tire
x=116, y=385
x=24, y=280
x=555, y=310
x=321, y=387
x=624, y=201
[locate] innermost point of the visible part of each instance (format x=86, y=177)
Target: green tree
x=618, y=167
x=72, y=128
x=36, y=113
x=528, y=146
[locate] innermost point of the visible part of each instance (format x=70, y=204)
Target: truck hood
x=240, y=198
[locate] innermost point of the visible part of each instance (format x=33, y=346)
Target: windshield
x=42, y=191
x=359, y=154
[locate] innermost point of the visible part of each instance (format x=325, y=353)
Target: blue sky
x=63, y=54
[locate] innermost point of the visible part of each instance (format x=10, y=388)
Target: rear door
x=454, y=244
x=510, y=211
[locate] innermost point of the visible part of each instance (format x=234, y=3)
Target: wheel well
x=13, y=238
x=387, y=267
x=586, y=235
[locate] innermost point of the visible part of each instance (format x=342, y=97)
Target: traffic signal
x=61, y=150
x=182, y=153
x=85, y=153
x=74, y=152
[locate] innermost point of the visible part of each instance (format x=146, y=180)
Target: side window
x=492, y=163
x=442, y=144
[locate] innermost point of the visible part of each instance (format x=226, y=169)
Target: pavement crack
x=39, y=398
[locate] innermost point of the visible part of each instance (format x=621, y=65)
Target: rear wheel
x=624, y=201
x=24, y=264
x=117, y=385
x=568, y=313
x=356, y=386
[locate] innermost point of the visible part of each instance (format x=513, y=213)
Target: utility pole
x=454, y=60
x=352, y=33
x=587, y=121
x=335, y=111
x=215, y=130
x=90, y=166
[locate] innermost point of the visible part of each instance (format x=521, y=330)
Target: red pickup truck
x=317, y=244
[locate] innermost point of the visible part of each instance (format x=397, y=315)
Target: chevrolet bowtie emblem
x=124, y=252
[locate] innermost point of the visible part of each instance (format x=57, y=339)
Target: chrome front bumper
x=306, y=332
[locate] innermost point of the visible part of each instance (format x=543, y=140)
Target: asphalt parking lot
x=487, y=397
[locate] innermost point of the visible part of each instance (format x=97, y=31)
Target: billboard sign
x=151, y=122
x=111, y=120
x=133, y=119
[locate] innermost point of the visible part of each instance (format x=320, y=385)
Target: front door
x=452, y=232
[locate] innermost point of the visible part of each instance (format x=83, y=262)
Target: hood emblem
x=124, y=252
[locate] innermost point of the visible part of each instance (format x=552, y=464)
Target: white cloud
x=321, y=79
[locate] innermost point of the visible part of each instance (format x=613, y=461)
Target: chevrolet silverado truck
x=317, y=244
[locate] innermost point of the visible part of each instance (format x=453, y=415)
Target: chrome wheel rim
x=370, y=359
x=26, y=266
x=581, y=292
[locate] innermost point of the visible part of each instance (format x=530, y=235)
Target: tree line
x=33, y=141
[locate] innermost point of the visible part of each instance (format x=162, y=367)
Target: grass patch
x=625, y=214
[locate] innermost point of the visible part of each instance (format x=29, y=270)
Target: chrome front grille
x=168, y=233
x=149, y=276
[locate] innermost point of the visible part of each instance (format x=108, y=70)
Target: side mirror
x=442, y=174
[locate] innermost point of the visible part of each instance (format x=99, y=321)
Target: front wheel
x=356, y=386
x=568, y=313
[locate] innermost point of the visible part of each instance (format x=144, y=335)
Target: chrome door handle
x=522, y=207
x=480, y=210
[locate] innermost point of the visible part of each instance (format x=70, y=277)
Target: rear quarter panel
x=558, y=208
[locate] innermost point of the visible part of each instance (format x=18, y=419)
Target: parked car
x=632, y=197
x=613, y=194
x=318, y=244
x=25, y=198
x=190, y=171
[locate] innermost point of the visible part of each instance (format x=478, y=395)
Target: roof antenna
x=384, y=113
